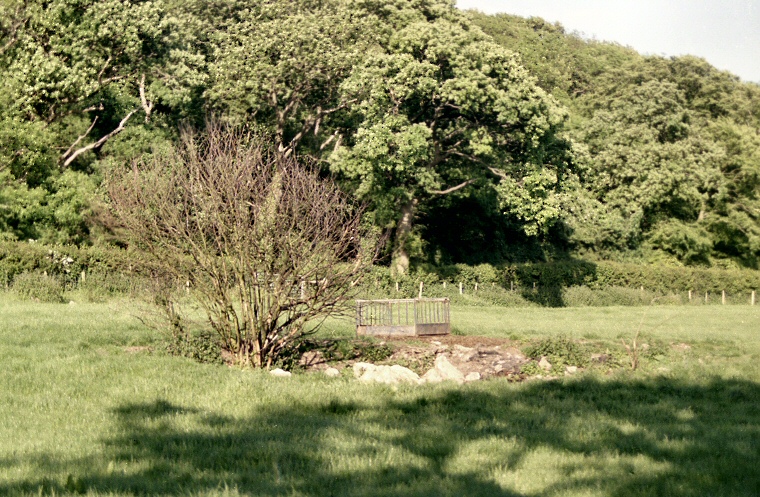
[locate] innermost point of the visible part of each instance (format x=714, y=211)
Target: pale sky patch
x=725, y=33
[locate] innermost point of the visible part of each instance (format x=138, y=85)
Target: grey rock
x=386, y=374
x=280, y=373
x=544, y=364
x=332, y=372
x=474, y=376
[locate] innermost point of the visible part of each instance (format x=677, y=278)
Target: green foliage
x=445, y=109
x=473, y=138
x=568, y=283
x=560, y=351
x=583, y=296
x=665, y=150
x=203, y=347
x=39, y=287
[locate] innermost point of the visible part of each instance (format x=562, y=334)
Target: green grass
x=82, y=412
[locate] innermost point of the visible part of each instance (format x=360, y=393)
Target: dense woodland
x=470, y=137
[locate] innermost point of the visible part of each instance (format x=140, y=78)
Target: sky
x=724, y=32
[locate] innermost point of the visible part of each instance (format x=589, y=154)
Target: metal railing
x=404, y=317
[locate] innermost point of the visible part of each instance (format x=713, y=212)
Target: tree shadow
x=616, y=438
x=543, y=283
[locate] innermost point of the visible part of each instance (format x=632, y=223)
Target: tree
x=281, y=64
x=76, y=76
x=443, y=108
x=265, y=245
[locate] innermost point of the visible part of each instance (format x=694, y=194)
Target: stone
x=446, y=370
x=465, y=354
x=280, y=373
x=311, y=358
x=544, y=364
x=386, y=374
x=432, y=376
x=571, y=369
x=332, y=372
x=361, y=367
x=474, y=376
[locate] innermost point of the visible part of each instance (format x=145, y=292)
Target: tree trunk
x=400, y=264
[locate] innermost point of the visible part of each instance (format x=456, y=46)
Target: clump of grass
x=560, y=351
x=38, y=287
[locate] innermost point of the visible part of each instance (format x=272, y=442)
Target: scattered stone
x=280, y=373
x=464, y=354
x=332, y=372
x=571, y=369
x=544, y=364
x=71, y=302
x=474, y=376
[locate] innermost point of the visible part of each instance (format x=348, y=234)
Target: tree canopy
x=533, y=140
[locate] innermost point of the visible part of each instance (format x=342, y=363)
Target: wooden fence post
x=476, y=287
x=511, y=286
x=420, y=290
x=705, y=297
x=723, y=298
x=397, y=287
x=444, y=285
x=460, y=288
x=752, y=299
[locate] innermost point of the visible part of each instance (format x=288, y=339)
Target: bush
x=583, y=296
x=203, y=347
x=39, y=287
x=560, y=351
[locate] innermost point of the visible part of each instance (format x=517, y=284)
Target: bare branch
x=453, y=188
x=498, y=172
x=103, y=70
x=267, y=244
x=146, y=105
x=99, y=143
x=79, y=139
x=329, y=140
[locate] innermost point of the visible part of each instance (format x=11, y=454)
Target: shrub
x=38, y=287
x=560, y=351
x=266, y=243
x=203, y=347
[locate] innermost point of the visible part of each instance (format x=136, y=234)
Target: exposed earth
x=458, y=358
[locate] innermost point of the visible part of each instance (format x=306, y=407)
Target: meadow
x=90, y=404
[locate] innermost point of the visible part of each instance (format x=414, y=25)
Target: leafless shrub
x=266, y=245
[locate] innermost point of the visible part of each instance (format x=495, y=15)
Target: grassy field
x=85, y=408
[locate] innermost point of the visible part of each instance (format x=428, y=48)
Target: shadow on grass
x=645, y=437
